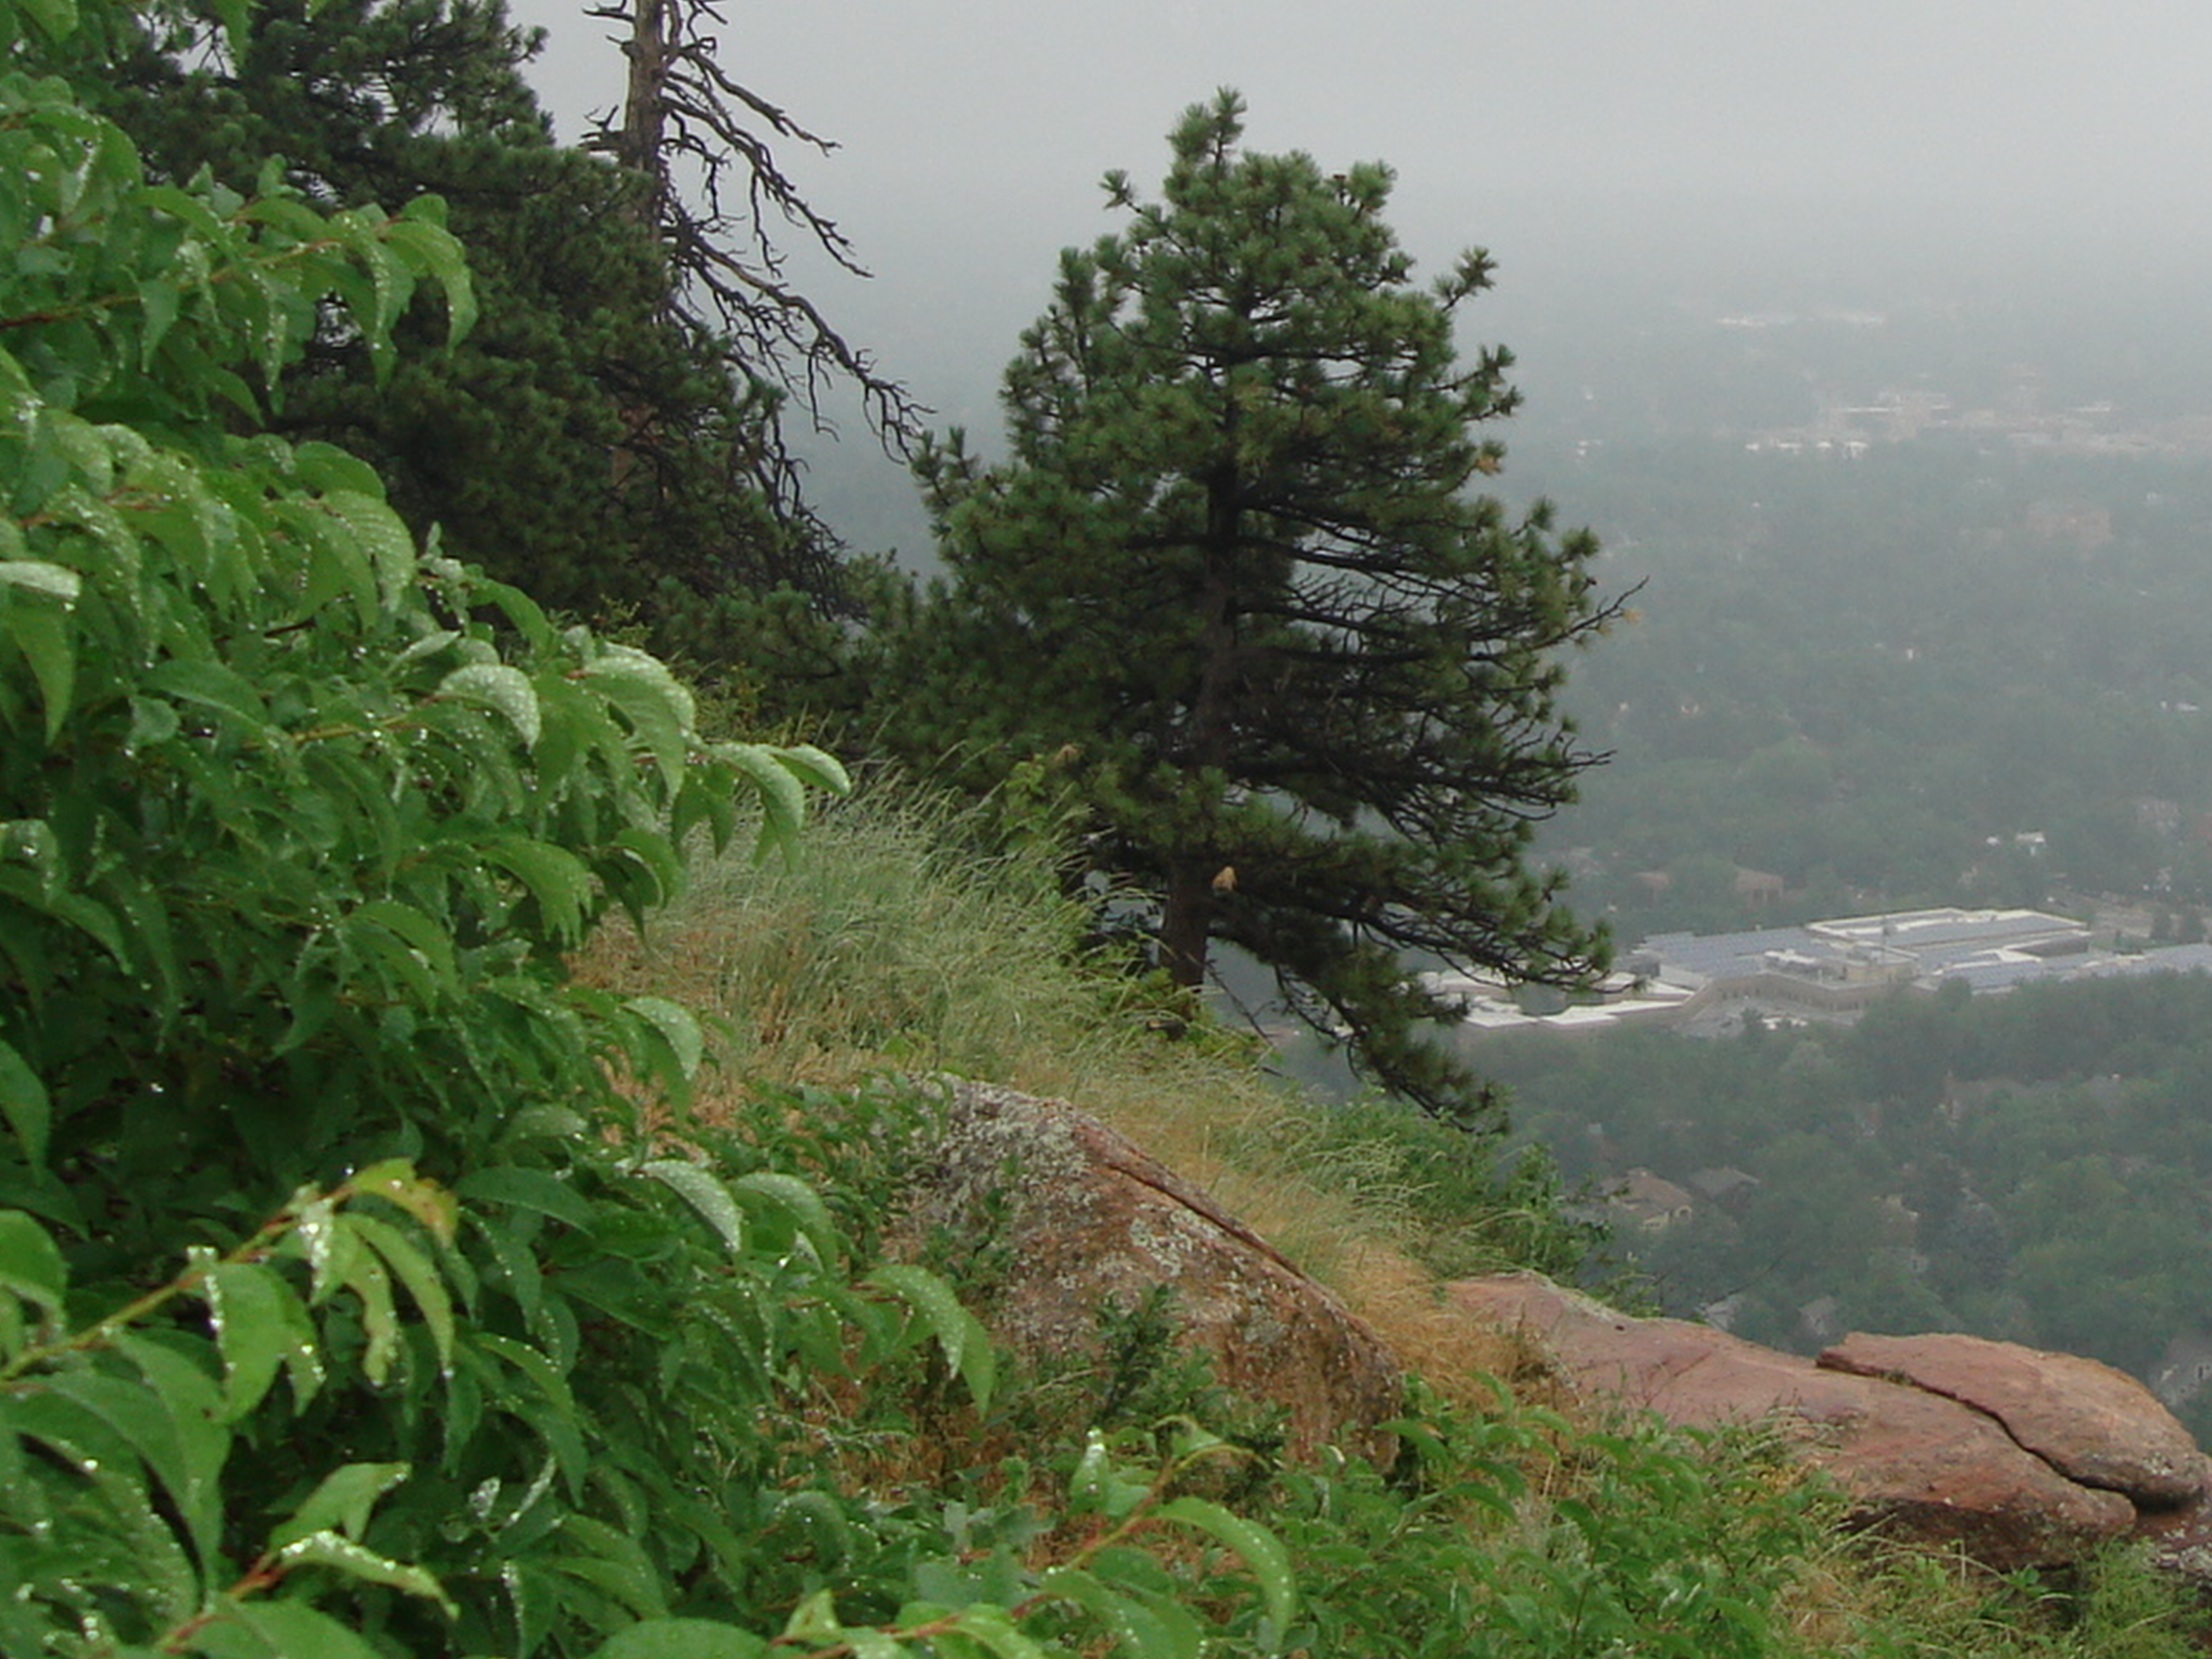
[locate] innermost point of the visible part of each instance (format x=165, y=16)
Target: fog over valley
x=2002, y=184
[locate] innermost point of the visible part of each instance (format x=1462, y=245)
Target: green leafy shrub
x=1516, y=1535
x=347, y=1305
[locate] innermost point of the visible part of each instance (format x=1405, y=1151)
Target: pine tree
x=1233, y=582
x=592, y=441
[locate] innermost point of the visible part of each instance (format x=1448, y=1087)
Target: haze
x=2039, y=161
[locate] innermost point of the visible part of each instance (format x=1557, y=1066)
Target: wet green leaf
x=382, y=535
x=813, y=767
x=996, y=1631
x=31, y=1270
x=1146, y=1631
x=24, y=1103
x=560, y=1426
x=396, y=1181
x=783, y=796
x=658, y=710
x=615, y=1563
x=413, y=1269
x=342, y=1555
x=433, y=251
x=966, y=1344
x=506, y=691
x=344, y=1499
x=677, y=1028
x=210, y=685
x=254, y=1629
x=528, y=1189
x=367, y=1278
x=56, y=581
x=795, y=1201
x=1262, y=1552
x=191, y=1404
x=42, y=633
x=556, y=878
x=682, y=1638
x=704, y=1193
x=56, y=18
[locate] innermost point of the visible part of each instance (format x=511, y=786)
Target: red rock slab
x=1912, y=1463
x=2180, y=1539
x=1082, y=1218
x=1690, y=1374
x=2093, y=1423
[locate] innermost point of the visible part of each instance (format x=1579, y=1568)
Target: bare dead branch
x=727, y=268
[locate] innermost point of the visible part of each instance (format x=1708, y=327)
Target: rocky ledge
x=1081, y=1219
x=2018, y=1456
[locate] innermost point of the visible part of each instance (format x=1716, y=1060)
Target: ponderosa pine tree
x=592, y=441
x=1234, y=582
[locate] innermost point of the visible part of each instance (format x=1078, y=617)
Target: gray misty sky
x=2047, y=107
x=1602, y=146
x=2024, y=99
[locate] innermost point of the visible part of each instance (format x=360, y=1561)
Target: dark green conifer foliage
x=1234, y=580
x=589, y=441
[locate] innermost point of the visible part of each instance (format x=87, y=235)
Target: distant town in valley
x=1714, y=984
x=2024, y=421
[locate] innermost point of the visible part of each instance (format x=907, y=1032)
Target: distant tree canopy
x=2032, y=1166
x=1233, y=579
x=1850, y=673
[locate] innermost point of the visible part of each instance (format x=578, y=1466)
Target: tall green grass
x=892, y=935
x=901, y=935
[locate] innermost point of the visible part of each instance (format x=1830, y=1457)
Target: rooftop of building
x=1680, y=975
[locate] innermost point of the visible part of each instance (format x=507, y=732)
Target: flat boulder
x=1078, y=1218
x=2093, y=1423
x=1913, y=1461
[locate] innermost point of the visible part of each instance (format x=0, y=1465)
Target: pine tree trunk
x=645, y=114
x=1187, y=921
x=1193, y=896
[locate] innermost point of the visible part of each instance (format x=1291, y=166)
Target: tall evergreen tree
x=612, y=433
x=1233, y=579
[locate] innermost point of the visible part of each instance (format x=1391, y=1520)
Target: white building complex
x=1831, y=969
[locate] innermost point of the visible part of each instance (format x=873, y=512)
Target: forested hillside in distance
x=1897, y=646
x=1947, y=670
x=2035, y=1167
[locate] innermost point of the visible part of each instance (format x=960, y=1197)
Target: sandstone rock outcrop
x=2093, y=1424
x=1082, y=1218
x=2018, y=1456
x=2021, y=1457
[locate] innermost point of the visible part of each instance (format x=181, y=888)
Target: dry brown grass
x=888, y=944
